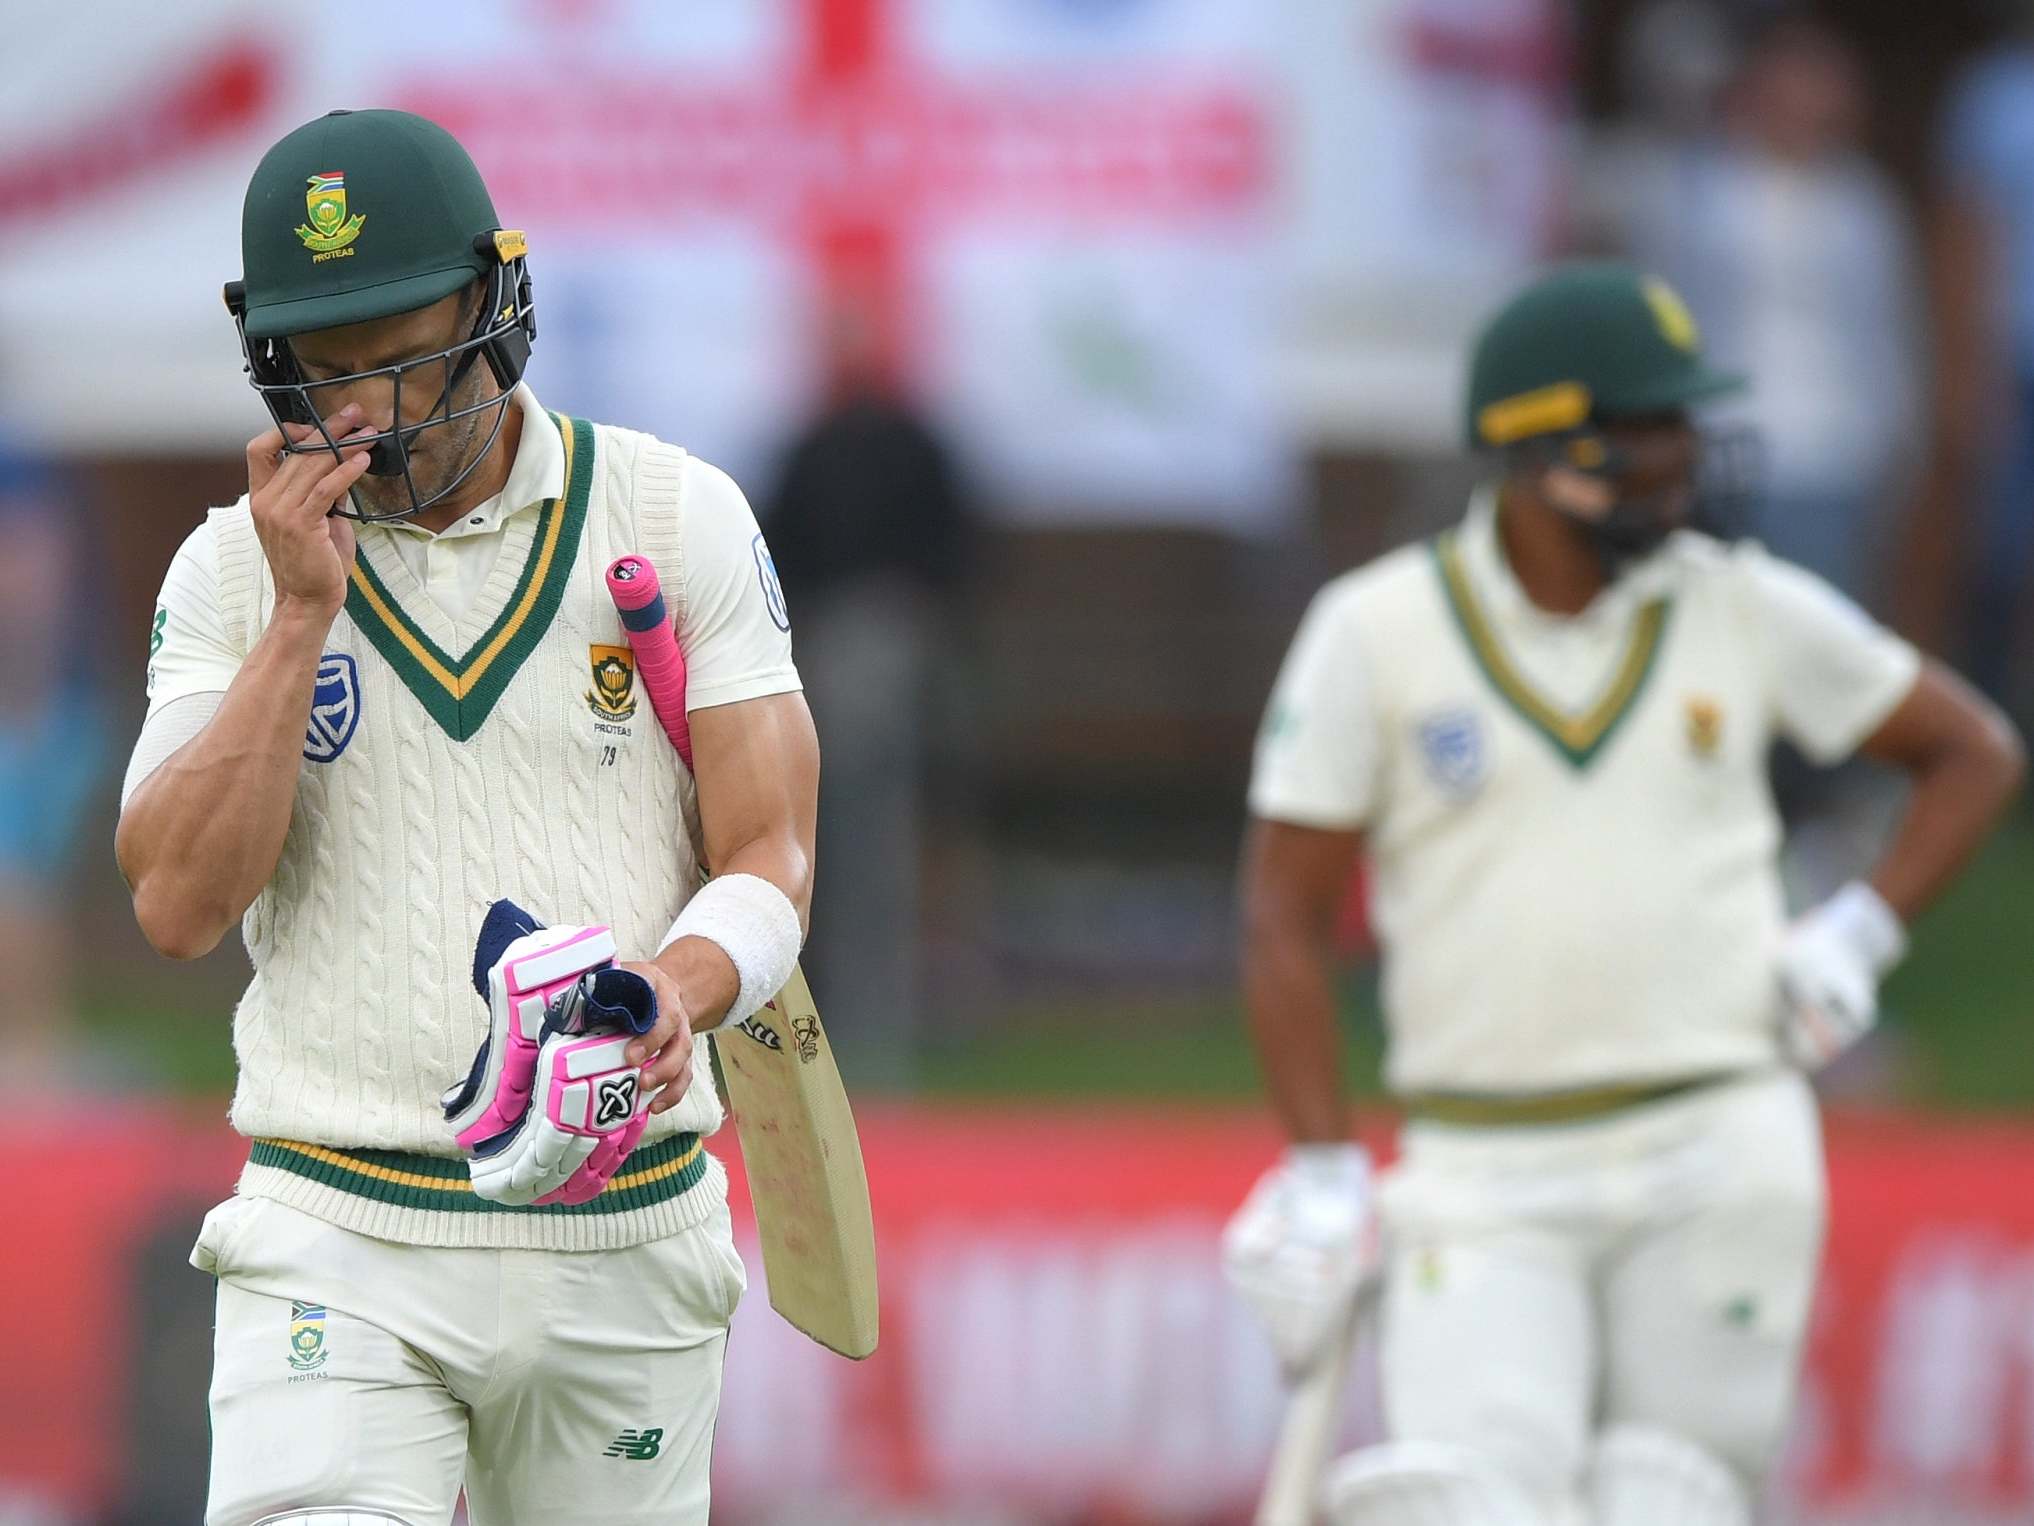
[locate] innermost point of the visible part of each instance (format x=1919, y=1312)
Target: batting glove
x=551, y=1106
x=1299, y=1248
x=1831, y=964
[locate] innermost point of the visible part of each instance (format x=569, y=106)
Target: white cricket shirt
x=1574, y=844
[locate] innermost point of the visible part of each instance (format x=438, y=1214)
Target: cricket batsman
x=1548, y=731
x=394, y=731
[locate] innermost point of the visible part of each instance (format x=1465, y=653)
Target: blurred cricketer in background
x=1548, y=729
x=389, y=689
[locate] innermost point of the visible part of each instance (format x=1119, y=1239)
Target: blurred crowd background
x=1064, y=347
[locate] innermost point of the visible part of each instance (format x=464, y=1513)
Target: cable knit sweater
x=450, y=763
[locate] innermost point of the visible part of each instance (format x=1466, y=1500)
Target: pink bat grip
x=632, y=584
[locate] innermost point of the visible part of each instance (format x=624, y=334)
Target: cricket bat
x=1306, y=1436
x=799, y=1146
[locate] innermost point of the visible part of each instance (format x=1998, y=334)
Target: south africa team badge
x=1705, y=726
x=307, y=1336
x=612, y=698
x=329, y=230
x=335, y=708
x=613, y=695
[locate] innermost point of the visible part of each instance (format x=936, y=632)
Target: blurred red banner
x=1057, y=1340
x=171, y=116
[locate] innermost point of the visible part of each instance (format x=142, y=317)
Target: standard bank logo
x=1452, y=744
x=773, y=587
x=335, y=708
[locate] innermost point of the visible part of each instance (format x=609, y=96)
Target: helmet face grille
x=501, y=335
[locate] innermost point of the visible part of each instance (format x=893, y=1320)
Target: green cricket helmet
x=366, y=214
x=1590, y=342
x=1587, y=345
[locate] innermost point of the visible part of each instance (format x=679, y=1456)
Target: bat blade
x=803, y=1160
x=1306, y=1436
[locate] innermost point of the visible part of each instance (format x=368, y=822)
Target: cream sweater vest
x=450, y=763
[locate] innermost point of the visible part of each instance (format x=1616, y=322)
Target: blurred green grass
x=1960, y=1023
x=1964, y=1001
x=1960, y=1018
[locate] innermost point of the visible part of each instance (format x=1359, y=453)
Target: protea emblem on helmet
x=1677, y=324
x=330, y=229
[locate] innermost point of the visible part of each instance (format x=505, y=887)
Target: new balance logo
x=636, y=1446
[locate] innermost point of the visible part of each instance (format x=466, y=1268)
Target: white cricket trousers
x=559, y=1387
x=1652, y=1267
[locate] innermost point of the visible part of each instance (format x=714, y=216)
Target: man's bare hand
x=665, y=1052
x=309, y=549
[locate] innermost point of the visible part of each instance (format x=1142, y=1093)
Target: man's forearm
x=1291, y=1001
x=1955, y=802
x=706, y=977
x=202, y=834
x=705, y=974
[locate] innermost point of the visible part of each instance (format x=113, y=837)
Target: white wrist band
x=755, y=925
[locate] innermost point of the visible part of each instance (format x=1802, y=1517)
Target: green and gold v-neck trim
x=460, y=692
x=1578, y=738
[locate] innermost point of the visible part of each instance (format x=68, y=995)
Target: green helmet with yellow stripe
x=1589, y=342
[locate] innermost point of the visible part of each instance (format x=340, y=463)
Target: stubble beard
x=439, y=455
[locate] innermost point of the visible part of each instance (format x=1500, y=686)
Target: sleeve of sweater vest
x=1835, y=673
x=734, y=627
x=191, y=662
x=1319, y=752
x=188, y=650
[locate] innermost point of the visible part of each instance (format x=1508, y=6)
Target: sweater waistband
x=420, y=1199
